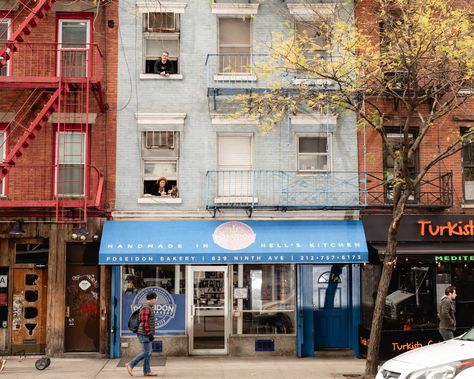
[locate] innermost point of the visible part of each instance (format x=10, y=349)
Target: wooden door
x=29, y=303
x=82, y=307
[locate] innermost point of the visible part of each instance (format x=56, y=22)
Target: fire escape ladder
x=32, y=131
x=25, y=28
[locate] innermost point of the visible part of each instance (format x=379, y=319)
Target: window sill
x=467, y=206
x=159, y=200
x=158, y=77
x=235, y=78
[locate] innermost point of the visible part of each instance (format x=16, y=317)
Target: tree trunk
x=388, y=265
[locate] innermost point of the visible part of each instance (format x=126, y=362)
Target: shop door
x=82, y=308
x=208, y=310
x=29, y=310
x=331, y=306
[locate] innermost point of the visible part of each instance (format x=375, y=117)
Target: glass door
x=208, y=319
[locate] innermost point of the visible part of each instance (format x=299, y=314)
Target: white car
x=444, y=360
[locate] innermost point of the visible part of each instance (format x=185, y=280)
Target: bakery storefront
x=434, y=252
x=285, y=287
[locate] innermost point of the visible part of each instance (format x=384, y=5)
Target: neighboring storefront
x=433, y=252
x=286, y=287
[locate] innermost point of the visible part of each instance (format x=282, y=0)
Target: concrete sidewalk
x=193, y=368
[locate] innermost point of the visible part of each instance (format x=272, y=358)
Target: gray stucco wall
x=198, y=140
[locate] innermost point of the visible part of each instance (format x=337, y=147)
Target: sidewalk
x=193, y=368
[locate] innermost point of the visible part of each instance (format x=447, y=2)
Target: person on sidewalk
x=145, y=334
x=447, y=319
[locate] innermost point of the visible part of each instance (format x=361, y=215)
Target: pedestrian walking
x=447, y=318
x=145, y=334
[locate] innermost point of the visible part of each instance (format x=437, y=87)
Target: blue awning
x=229, y=242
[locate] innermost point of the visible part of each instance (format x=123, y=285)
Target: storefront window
x=264, y=299
x=411, y=300
x=168, y=282
x=168, y=277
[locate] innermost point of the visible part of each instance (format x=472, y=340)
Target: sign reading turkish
x=169, y=311
x=449, y=229
x=231, y=242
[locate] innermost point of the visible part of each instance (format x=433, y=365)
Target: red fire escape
x=56, y=84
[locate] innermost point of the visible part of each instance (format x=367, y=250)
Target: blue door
x=331, y=306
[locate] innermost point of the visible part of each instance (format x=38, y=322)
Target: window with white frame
x=161, y=33
x=314, y=153
x=235, y=162
x=70, y=175
x=160, y=153
x=312, y=33
x=235, y=45
x=4, y=35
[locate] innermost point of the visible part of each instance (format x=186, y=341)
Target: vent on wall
x=157, y=346
x=264, y=345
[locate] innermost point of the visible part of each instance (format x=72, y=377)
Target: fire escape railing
x=38, y=187
x=49, y=61
x=434, y=191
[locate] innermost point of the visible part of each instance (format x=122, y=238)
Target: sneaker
x=129, y=369
x=2, y=364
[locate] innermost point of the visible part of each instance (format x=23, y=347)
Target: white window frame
x=9, y=25
x=163, y=159
x=58, y=163
x=221, y=76
x=236, y=135
x=3, y=143
x=328, y=153
x=87, y=43
x=163, y=36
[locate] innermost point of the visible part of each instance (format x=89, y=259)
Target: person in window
x=163, y=66
x=163, y=188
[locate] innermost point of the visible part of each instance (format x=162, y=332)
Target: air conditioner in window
x=161, y=22
x=159, y=140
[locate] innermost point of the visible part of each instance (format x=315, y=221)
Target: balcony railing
x=230, y=73
x=53, y=60
x=43, y=186
x=434, y=191
x=282, y=190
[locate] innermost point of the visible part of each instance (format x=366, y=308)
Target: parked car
x=453, y=359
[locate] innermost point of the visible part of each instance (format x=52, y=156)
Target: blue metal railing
x=227, y=73
x=284, y=189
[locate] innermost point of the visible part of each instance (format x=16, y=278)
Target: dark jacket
x=146, y=317
x=447, y=319
x=160, y=67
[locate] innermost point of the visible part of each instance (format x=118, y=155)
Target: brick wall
x=32, y=178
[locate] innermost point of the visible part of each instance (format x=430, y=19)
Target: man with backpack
x=145, y=334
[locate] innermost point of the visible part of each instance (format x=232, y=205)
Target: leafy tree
x=412, y=58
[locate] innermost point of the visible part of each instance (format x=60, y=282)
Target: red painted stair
x=35, y=127
x=33, y=18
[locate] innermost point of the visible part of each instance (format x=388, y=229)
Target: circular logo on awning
x=234, y=235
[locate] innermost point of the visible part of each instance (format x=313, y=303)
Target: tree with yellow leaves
x=410, y=57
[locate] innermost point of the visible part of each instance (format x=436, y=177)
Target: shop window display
x=135, y=278
x=411, y=299
x=268, y=303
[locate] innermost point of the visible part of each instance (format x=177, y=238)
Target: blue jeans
x=145, y=355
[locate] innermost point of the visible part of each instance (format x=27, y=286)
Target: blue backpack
x=134, y=320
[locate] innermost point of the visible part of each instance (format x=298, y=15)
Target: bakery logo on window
x=234, y=235
x=165, y=307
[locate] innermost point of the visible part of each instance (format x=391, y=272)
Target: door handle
x=68, y=311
